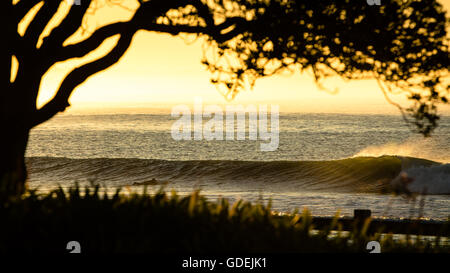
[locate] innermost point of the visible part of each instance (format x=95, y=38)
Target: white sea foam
x=417, y=146
x=430, y=180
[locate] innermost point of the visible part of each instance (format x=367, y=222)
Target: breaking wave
x=357, y=174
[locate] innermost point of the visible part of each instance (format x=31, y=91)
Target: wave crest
x=357, y=174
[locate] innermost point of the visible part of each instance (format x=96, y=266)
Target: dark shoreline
x=161, y=223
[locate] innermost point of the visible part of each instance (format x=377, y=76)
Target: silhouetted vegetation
x=401, y=44
x=143, y=223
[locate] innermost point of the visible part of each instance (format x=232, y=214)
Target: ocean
x=324, y=162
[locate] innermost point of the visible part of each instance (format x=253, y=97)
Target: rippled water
x=120, y=150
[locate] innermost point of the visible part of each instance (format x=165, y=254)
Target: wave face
x=358, y=174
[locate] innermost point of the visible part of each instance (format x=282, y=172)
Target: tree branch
x=39, y=22
x=100, y=35
x=86, y=46
x=60, y=101
x=143, y=19
x=70, y=24
x=5, y=56
x=214, y=31
x=22, y=8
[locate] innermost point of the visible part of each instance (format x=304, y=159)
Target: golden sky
x=159, y=71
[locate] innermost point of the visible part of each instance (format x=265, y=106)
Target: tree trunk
x=13, y=143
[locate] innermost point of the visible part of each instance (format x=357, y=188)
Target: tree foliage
x=403, y=44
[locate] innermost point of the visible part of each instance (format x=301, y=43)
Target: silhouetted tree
x=402, y=43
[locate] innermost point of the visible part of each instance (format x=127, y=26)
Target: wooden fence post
x=359, y=218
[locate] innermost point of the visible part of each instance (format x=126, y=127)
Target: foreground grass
x=162, y=223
